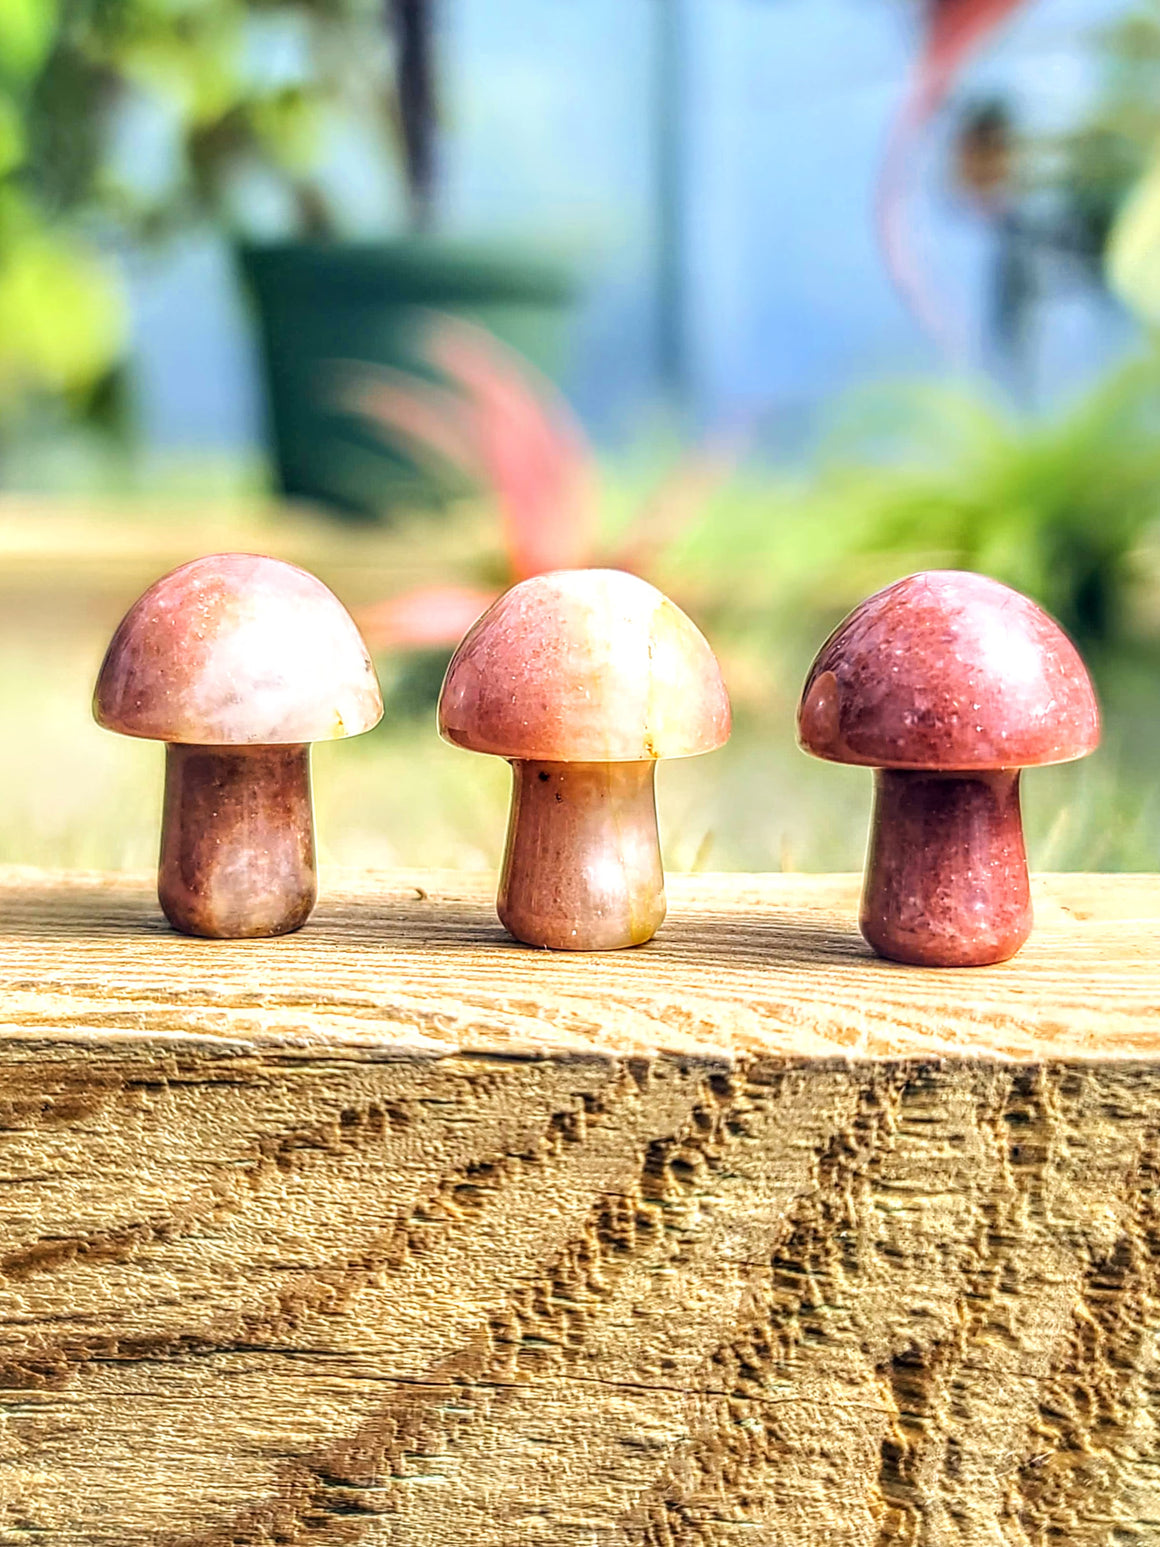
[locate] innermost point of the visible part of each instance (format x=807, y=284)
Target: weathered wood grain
x=393, y=1232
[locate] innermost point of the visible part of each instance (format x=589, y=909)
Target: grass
x=73, y=795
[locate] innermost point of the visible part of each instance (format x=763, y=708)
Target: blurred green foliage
x=1057, y=507
x=916, y=475
x=61, y=319
x=142, y=116
x=158, y=112
x=1130, y=117
x=1133, y=257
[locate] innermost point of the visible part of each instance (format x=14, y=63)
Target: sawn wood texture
x=394, y=1232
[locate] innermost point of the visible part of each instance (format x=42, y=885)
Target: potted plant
x=320, y=301
x=256, y=116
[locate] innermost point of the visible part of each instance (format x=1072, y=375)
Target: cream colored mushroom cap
x=237, y=649
x=584, y=665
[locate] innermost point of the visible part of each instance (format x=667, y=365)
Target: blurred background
x=771, y=301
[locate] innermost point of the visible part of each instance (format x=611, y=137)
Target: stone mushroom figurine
x=237, y=662
x=582, y=679
x=947, y=684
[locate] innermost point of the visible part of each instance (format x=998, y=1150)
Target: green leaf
x=1133, y=252
x=27, y=28
x=62, y=316
x=11, y=136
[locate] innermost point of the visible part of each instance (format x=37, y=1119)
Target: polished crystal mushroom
x=582, y=680
x=947, y=684
x=237, y=662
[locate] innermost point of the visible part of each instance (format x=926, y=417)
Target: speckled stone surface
x=237, y=841
x=947, y=683
x=950, y=670
x=946, y=880
x=237, y=661
x=582, y=870
x=583, y=679
x=585, y=666
x=237, y=649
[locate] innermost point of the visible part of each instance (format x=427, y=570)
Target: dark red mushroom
x=947, y=684
x=237, y=662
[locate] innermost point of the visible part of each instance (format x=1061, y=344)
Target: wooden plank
x=396, y=1232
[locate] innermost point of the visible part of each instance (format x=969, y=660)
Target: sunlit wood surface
x=396, y=1232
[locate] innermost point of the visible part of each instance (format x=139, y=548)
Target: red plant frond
x=536, y=456
x=426, y=420
x=953, y=30
x=428, y=617
x=495, y=419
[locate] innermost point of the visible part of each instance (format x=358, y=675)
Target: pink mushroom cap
x=948, y=670
x=236, y=649
x=584, y=666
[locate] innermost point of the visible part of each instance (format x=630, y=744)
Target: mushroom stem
x=946, y=880
x=237, y=840
x=582, y=870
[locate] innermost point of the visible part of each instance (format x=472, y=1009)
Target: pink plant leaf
x=427, y=617
x=425, y=419
x=538, y=462
x=954, y=29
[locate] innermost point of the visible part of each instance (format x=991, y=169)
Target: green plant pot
x=320, y=305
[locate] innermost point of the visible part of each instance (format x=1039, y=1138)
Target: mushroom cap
x=948, y=670
x=584, y=666
x=236, y=649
